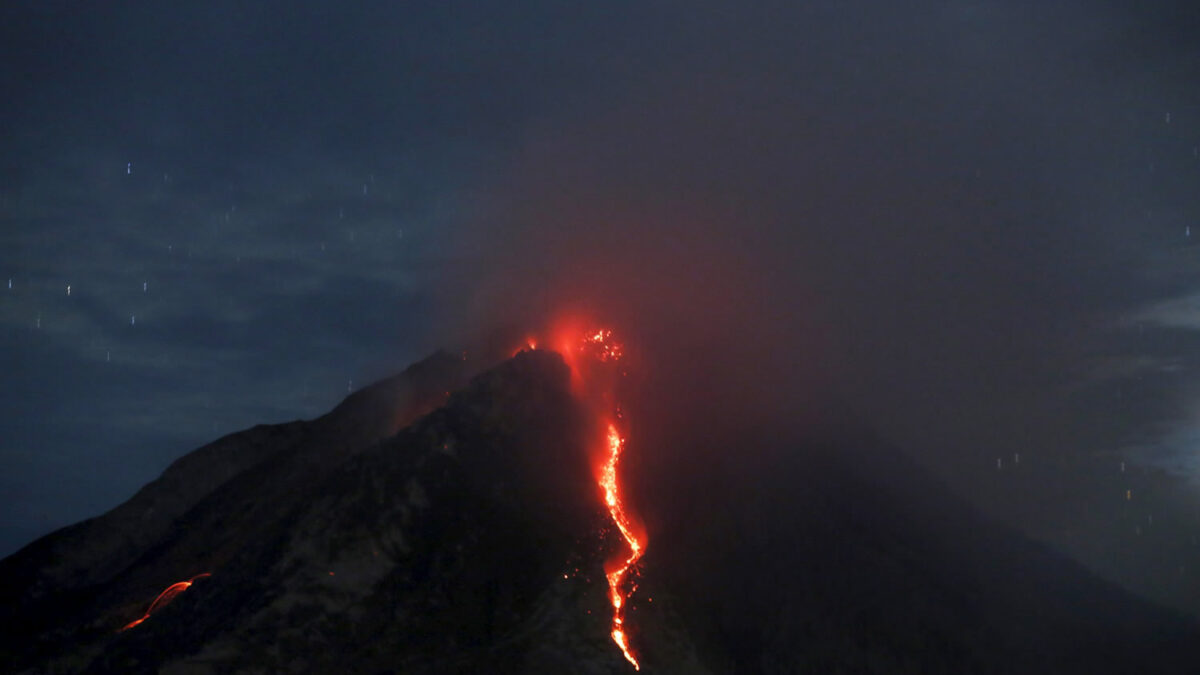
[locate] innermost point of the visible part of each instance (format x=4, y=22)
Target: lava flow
x=617, y=593
x=599, y=347
x=164, y=598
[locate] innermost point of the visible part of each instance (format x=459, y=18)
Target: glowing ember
x=165, y=598
x=602, y=345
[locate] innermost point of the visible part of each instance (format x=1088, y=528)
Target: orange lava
x=591, y=355
x=164, y=598
x=619, y=574
x=530, y=344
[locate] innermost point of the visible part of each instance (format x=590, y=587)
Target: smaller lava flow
x=165, y=598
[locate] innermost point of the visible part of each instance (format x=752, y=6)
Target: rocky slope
x=412, y=531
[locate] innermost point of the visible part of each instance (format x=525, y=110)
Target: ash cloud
x=928, y=229
x=929, y=223
x=906, y=209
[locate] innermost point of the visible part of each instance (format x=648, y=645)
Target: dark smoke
x=901, y=209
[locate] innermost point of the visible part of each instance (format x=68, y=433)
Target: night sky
x=970, y=221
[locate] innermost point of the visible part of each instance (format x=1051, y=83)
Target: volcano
x=441, y=523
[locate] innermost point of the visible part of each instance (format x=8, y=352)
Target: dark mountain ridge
x=267, y=465
x=411, y=531
x=851, y=559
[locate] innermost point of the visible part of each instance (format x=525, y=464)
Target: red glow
x=618, y=573
x=529, y=344
x=596, y=346
x=165, y=598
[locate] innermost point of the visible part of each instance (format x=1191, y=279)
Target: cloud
x=194, y=310
x=809, y=198
x=1178, y=312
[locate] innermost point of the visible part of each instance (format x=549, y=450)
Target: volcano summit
x=435, y=524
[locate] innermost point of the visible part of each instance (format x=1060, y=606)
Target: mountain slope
x=412, y=532
x=847, y=558
x=271, y=465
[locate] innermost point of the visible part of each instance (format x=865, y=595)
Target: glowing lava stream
x=617, y=575
x=602, y=349
x=165, y=597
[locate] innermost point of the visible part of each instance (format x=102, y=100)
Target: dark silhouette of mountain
x=434, y=525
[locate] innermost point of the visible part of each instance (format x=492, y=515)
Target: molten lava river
x=594, y=361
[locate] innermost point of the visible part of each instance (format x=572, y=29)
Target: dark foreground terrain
x=434, y=525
